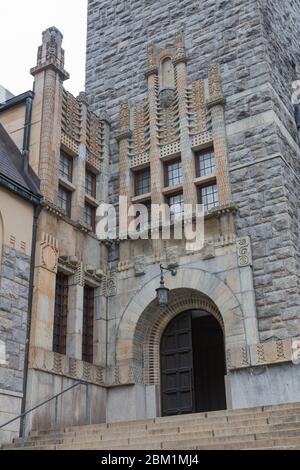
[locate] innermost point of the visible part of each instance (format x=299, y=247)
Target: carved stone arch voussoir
x=150, y=329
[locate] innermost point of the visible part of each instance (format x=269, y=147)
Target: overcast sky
x=21, y=25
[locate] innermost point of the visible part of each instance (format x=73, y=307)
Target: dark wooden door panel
x=177, y=367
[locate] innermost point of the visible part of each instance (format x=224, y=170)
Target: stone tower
x=181, y=79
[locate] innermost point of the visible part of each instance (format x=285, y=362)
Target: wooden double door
x=192, y=365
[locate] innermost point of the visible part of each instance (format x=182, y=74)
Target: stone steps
x=258, y=428
x=223, y=433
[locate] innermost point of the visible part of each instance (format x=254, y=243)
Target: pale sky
x=21, y=25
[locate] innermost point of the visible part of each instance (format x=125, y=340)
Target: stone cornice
x=64, y=75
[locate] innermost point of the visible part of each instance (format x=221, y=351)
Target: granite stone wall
x=257, y=44
x=14, y=291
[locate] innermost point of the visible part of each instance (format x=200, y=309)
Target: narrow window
x=209, y=197
x=88, y=324
x=64, y=199
x=60, y=314
x=173, y=173
x=90, y=183
x=66, y=166
x=205, y=163
x=90, y=216
x=142, y=182
x=176, y=204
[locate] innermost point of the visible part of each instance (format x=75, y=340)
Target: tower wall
x=256, y=44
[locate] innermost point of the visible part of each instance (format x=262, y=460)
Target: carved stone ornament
x=244, y=252
x=49, y=253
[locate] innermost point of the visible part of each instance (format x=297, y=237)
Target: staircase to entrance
x=272, y=427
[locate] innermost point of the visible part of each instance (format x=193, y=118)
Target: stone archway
x=154, y=321
x=142, y=323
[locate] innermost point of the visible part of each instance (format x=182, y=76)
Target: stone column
x=125, y=186
x=187, y=157
x=44, y=292
x=155, y=163
x=216, y=104
x=102, y=190
x=79, y=165
x=49, y=75
x=156, y=167
x=75, y=314
x=100, y=328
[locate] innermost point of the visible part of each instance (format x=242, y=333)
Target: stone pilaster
x=155, y=164
x=49, y=75
x=79, y=167
x=100, y=330
x=75, y=314
x=187, y=158
x=102, y=189
x=44, y=292
x=216, y=105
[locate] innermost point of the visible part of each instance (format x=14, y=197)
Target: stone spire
x=51, y=53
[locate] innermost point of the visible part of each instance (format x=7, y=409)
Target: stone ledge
x=58, y=364
x=261, y=354
x=11, y=393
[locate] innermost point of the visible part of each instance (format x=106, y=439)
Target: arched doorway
x=193, y=367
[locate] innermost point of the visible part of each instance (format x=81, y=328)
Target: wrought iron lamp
x=162, y=293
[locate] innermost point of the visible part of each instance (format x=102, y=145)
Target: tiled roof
x=11, y=164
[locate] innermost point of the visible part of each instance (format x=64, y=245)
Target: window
x=66, y=166
x=88, y=324
x=173, y=173
x=209, y=197
x=90, y=216
x=90, y=183
x=64, y=199
x=145, y=219
x=176, y=204
x=60, y=314
x=205, y=162
x=142, y=182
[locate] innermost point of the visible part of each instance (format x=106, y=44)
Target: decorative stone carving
x=140, y=265
x=197, y=107
x=79, y=277
x=124, y=115
x=71, y=112
x=237, y=358
x=214, y=81
x=208, y=251
x=180, y=53
x=140, y=129
x=108, y=286
x=152, y=61
x=172, y=256
x=95, y=135
x=244, y=252
x=271, y=352
x=58, y=364
x=166, y=97
x=48, y=253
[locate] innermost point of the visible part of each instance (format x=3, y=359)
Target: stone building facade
x=199, y=100
x=19, y=200
x=68, y=150
x=202, y=75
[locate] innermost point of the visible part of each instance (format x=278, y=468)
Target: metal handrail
x=55, y=397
